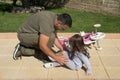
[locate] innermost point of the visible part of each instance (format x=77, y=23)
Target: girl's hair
x=76, y=44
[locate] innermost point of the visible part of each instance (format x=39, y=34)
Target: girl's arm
x=86, y=61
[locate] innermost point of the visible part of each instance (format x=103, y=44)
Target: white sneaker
x=48, y=65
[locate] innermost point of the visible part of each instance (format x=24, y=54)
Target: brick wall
x=111, y=7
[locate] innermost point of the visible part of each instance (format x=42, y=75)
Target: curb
x=14, y=35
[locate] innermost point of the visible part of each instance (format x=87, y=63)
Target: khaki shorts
x=29, y=39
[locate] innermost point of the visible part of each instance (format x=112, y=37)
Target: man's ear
x=58, y=22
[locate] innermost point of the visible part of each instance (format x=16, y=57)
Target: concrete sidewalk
x=105, y=63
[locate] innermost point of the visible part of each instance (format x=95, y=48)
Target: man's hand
x=43, y=41
x=61, y=59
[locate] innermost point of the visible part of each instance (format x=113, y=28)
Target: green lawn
x=82, y=21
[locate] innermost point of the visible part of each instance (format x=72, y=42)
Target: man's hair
x=65, y=19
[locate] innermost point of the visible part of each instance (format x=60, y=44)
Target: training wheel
x=97, y=36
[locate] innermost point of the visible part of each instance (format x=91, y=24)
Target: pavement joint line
x=77, y=75
x=103, y=66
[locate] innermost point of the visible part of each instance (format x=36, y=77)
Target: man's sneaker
x=17, y=52
x=48, y=65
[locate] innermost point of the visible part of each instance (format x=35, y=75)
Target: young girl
x=76, y=53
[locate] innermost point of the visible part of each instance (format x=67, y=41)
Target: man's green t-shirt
x=41, y=22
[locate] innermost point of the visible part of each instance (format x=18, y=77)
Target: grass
x=82, y=21
x=9, y=22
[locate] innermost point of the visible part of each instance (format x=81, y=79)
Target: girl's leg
x=70, y=64
x=74, y=64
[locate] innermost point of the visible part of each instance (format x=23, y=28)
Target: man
x=38, y=34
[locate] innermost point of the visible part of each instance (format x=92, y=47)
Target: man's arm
x=57, y=43
x=43, y=41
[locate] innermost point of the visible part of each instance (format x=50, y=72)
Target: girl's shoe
x=48, y=65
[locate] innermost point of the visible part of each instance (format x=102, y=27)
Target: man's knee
x=27, y=51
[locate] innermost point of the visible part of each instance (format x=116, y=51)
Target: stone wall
x=111, y=7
